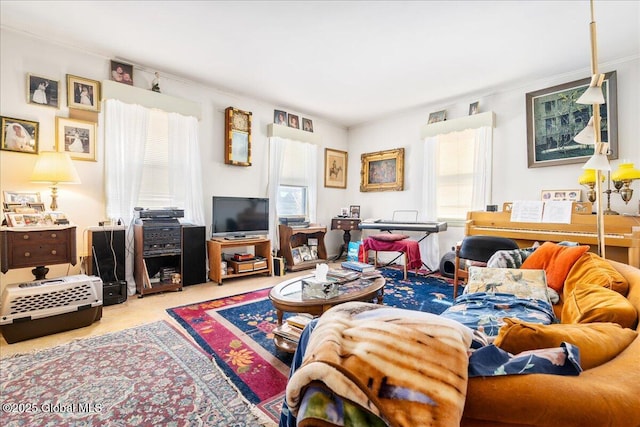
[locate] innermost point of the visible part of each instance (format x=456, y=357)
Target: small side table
x=346, y=225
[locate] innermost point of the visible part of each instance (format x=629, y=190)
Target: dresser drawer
x=344, y=224
x=30, y=248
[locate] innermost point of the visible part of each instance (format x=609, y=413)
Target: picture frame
x=335, y=168
x=280, y=117
x=77, y=138
x=307, y=125
x=39, y=207
x=382, y=171
x=21, y=197
x=438, y=116
x=11, y=207
x=121, y=72
x=474, y=108
x=354, y=211
x=554, y=118
x=43, y=91
x=344, y=212
x=19, y=135
x=294, y=121
x=83, y=94
x=295, y=254
x=237, y=129
x=574, y=195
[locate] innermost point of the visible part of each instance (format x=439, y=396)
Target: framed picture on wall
x=83, y=94
x=554, y=119
x=335, y=168
x=438, y=116
x=19, y=135
x=382, y=171
x=122, y=73
x=42, y=91
x=280, y=117
x=294, y=121
x=76, y=137
x=307, y=124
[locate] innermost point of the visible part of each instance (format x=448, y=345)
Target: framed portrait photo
x=19, y=135
x=438, y=116
x=280, y=117
x=554, y=119
x=474, y=108
x=354, y=211
x=43, y=91
x=76, y=137
x=121, y=73
x=335, y=168
x=294, y=121
x=307, y=125
x=382, y=171
x=83, y=94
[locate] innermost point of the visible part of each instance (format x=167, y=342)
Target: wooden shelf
x=293, y=237
x=216, y=246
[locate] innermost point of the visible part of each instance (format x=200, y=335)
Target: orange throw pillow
x=598, y=342
x=556, y=260
x=592, y=268
x=589, y=303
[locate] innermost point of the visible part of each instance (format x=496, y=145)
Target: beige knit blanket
x=405, y=366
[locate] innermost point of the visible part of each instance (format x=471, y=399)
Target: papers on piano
x=552, y=211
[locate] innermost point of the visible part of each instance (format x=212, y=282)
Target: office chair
x=480, y=249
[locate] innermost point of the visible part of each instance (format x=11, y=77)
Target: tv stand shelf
x=216, y=246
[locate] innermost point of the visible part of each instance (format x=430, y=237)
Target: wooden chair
x=479, y=249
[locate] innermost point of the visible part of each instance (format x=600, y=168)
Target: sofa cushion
x=389, y=237
x=527, y=284
x=588, y=303
x=598, y=342
x=510, y=258
x=592, y=268
x=556, y=260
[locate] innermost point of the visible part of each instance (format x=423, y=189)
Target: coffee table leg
x=380, y=295
x=280, y=314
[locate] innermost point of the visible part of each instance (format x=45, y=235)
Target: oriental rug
x=237, y=332
x=150, y=375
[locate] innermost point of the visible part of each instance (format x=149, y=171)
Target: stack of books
x=292, y=327
x=358, y=266
x=342, y=274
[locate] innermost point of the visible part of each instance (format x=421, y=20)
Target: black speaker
x=107, y=261
x=194, y=255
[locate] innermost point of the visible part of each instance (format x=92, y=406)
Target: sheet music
x=557, y=211
x=527, y=211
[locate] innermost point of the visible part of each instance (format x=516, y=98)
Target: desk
x=346, y=225
x=36, y=247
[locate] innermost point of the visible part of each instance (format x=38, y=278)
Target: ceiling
x=346, y=61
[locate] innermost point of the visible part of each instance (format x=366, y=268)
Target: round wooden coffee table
x=287, y=297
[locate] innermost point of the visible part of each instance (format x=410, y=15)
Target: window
x=154, y=188
x=455, y=174
x=292, y=198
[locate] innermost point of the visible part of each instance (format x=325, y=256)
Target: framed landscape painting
x=382, y=171
x=554, y=118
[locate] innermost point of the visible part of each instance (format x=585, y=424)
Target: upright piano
x=622, y=233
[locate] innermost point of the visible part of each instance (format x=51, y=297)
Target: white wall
x=85, y=204
x=512, y=179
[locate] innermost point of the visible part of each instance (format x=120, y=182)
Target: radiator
x=42, y=307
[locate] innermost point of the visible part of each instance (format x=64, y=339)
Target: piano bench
x=409, y=248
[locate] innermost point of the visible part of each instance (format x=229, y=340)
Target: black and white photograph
x=19, y=135
x=43, y=91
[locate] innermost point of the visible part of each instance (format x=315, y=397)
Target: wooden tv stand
x=215, y=249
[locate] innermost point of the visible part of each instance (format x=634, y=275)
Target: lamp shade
x=625, y=172
x=598, y=161
x=587, y=135
x=593, y=94
x=55, y=167
x=589, y=177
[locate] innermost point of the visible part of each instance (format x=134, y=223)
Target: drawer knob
x=27, y=254
x=54, y=235
x=25, y=237
x=53, y=252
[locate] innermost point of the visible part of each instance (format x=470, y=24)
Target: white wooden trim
x=286, y=132
x=456, y=125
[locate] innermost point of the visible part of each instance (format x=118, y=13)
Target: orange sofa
x=606, y=395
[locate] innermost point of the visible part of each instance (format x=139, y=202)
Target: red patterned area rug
x=150, y=375
x=238, y=332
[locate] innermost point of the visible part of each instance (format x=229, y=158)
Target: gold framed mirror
x=237, y=130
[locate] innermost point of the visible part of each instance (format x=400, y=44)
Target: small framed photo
x=43, y=91
x=76, y=137
x=294, y=121
x=382, y=171
x=280, y=117
x=21, y=197
x=15, y=219
x=354, y=211
x=307, y=125
x=474, y=108
x=11, y=207
x=122, y=73
x=335, y=168
x=295, y=254
x=39, y=207
x=19, y=135
x=438, y=116
x=83, y=94
x=570, y=195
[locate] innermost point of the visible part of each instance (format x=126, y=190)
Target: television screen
x=239, y=216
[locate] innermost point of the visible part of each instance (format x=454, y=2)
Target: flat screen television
x=239, y=217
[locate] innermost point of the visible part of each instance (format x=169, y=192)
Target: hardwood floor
x=136, y=311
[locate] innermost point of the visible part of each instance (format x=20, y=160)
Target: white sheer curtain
x=277, y=149
x=482, y=166
x=125, y=136
x=430, y=247
x=185, y=171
